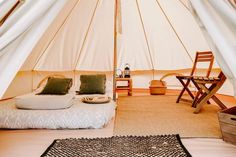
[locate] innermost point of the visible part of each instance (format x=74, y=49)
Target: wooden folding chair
x=209, y=92
x=206, y=56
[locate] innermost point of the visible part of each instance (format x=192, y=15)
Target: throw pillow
x=92, y=84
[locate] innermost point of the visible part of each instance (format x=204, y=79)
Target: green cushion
x=57, y=86
x=92, y=84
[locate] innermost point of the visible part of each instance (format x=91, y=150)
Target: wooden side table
x=129, y=87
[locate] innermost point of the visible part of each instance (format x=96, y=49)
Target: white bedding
x=44, y=102
x=79, y=115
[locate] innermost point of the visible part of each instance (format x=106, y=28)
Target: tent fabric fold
x=22, y=20
x=5, y=6
x=218, y=20
x=18, y=39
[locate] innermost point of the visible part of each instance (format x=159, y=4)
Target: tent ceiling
x=156, y=34
x=59, y=35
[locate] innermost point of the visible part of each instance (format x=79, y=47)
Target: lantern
x=127, y=71
x=119, y=73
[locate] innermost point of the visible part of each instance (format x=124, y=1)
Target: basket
x=227, y=120
x=158, y=87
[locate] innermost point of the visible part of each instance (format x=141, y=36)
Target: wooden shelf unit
x=129, y=87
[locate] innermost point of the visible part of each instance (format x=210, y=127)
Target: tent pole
x=74, y=71
x=115, y=50
x=14, y=7
x=32, y=79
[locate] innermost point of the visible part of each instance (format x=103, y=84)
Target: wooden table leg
x=130, y=88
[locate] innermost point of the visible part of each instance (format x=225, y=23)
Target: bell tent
x=154, y=37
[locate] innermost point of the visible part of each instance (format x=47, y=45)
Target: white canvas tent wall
x=218, y=21
x=76, y=36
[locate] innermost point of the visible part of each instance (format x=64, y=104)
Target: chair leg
x=206, y=96
x=202, y=102
x=180, y=95
x=194, y=104
x=222, y=106
x=209, y=92
x=197, y=100
x=185, y=87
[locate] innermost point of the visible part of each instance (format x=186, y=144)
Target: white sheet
x=79, y=115
x=44, y=102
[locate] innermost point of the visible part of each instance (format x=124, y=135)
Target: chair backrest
x=205, y=56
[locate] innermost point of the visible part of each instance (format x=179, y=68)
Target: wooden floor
x=32, y=143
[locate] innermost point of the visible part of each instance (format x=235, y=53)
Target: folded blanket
x=44, y=102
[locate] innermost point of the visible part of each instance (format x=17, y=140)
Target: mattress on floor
x=79, y=115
